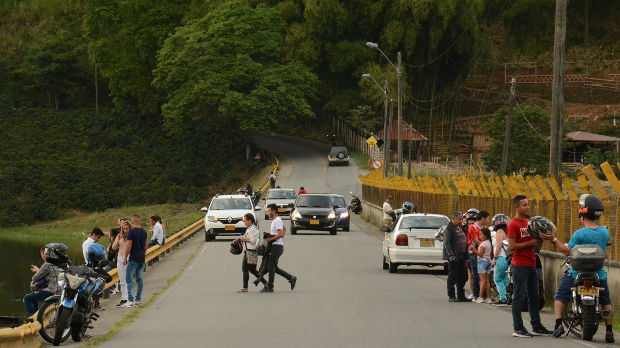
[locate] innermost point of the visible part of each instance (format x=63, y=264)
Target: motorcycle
x=584, y=313
x=81, y=288
x=356, y=204
x=510, y=286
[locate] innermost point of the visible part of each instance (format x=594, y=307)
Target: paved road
x=343, y=297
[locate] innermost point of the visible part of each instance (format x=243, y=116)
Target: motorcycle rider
x=590, y=210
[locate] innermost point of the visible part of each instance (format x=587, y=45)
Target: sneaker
x=127, y=304
x=541, y=331
x=501, y=303
x=293, y=281
x=471, y=296
x=478, y=300
x=121, y=303
x=609, y=337
x=521, y=333
x=558, y=331
x=266, y=290
x=488, y=301
x=137, y=303
x=452, y=299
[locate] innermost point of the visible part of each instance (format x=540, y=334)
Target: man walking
x=524, y=273
x=272, y=180
x=136, y=244
x=388, y=212
x=95, y=236
x=276, y=250
x=454, y=251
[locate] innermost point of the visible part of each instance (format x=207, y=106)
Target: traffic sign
x=372, y=141
x=376, y=164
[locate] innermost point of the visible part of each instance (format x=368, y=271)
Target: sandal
x=242, y=290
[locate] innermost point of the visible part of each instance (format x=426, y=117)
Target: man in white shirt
x=158, y=232
x=277, y=249
x=388, y=219
x=95, y=235
x=272, y=180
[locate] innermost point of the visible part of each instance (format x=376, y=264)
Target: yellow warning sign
x=372, y=141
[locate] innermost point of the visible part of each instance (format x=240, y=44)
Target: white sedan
x=413, y=242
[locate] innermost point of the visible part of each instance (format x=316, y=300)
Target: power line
x=441, y=55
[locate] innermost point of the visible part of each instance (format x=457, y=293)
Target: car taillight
x=588, y=283
x=402, y=240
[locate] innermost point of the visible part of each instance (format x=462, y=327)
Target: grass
x=361, y=160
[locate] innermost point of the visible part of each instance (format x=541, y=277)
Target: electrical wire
x=441, y=55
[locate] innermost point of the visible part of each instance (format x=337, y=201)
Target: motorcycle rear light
x=402, y=240
x=588, y=283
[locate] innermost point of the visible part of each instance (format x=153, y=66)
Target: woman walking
x=250, y=257
x=500, y=222
x=120, y=244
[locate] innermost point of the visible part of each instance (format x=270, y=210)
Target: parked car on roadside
x=343, y=214
x=282, y=197
x=413, y=242
x=313, y=212
x=224, y=216
x=338, y=155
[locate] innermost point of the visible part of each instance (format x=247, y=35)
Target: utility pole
x=400, y=115
x=557, y=94
x=511, y=104
x=389, y=137
x=96, y=90
x=385, y=131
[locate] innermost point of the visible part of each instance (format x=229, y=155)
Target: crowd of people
x=126, y=251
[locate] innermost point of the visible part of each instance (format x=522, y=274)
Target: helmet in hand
x=236, y=247
x=540, y=225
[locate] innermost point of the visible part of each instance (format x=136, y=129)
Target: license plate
x=314, y=222
x=582, y=290
x=229, y=227
x=427, y=243
x=281, y=210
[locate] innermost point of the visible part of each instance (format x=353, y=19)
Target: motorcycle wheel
x=62, y=323
x=76, y=333
x=589, y=322
x=48, y=312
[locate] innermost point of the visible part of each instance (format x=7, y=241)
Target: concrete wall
x=552, y=261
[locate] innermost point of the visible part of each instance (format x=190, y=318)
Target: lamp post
x=386, y=146
x=375, y=46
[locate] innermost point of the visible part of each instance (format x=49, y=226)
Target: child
x=485, y=254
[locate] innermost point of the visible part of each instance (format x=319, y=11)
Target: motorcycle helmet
x=236, y=247
x=590, y=207
x=540, y=225
x=471, y=214
x=55, y=253
x=473, y=210
x=95, y=254
x=500, y=219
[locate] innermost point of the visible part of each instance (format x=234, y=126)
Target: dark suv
x=313, y=212
x=337, y=155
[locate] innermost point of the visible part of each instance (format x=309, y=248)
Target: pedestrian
x=388, y=212
x=468, y=220
x=276, y=249
x=95, y=236
x=301, y=191
x=455, y=251
x=120, y=244
x=136, y=244
x=249, y=190
x=590, y=210
x=499, y=263
x=484, y=254
x=523, y=270
x=250, y=257
x=473, y=232
x=44, y=284
x=158, y=231
x=272, y=179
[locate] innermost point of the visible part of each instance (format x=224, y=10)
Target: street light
x=386, y=148
x=375, y=46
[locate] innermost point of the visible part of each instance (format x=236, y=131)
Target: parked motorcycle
x=81, y=287
x=510, y=286
x=356, y=204
x=584, y=313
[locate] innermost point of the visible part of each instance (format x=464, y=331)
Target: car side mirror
x=385, y=229
x=257, y=208
x=204, y=209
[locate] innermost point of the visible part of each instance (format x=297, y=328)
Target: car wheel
x=445, y=268
x=392, y=267
x=293, y=230
x=347, y=227
x=333, y=232
x=209, y=236
x=385, y=264
x=346, y=164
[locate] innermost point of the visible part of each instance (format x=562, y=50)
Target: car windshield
x=338, y=201
x=314, y=201
x=281, y=194
x=337, y=149
x=231, y=203
x=423, y=222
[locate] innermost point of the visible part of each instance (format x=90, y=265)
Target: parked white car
x=224, y=216
x=413, y=242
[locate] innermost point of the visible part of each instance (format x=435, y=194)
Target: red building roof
x=409, y=133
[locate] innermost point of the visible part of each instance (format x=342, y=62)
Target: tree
x=226, y=69
x=529, y=145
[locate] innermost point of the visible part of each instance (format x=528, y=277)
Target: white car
x=413, y=242
x=225, y=215
x=283, y=198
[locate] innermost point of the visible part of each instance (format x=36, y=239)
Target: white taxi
x=224, y=216
x=413, y=242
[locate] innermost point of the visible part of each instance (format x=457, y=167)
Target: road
x=343, y=297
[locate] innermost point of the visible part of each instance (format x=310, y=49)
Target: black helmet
x=500, y=219
x=236, y=247
x=590, y=207
x=55, y=253
x=540, y=225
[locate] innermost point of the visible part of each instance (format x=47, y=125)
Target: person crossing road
x=276, y=250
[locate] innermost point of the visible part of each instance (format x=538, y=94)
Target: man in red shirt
x=525, y=276
x=301, y=191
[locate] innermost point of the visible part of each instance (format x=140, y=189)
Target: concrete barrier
x=25, y=336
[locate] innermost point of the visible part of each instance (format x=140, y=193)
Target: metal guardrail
x=24, y=336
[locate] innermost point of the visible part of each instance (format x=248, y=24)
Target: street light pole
x=400, y=116
x=385, y=118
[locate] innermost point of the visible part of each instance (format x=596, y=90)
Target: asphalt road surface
x=343, y=298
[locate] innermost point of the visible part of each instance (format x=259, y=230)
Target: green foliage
x=528, y=149
x=226, y=69
x=597, y=156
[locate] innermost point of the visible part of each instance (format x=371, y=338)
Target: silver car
x=282, y=197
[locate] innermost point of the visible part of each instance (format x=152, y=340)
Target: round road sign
x=376, y=164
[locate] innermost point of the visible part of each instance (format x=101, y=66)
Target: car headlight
x=332, y=215
x=296, y=215
x=211, y=218
x=344, y=215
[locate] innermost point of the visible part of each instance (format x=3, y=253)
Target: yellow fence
x=493, y=193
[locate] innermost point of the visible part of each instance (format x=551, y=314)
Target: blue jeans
x=31, y=301
x=525, y=282
x=501, y=277
x=134, y=269
x=472, y=259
